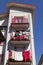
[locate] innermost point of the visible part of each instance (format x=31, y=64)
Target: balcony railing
x=19, y=42
x=20, y=26
x=18, y=63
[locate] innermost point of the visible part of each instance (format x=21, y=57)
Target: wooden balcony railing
x=20, y=26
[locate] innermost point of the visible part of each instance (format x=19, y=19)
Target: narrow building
x=16, y=35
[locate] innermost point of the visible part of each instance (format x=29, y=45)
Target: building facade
x=41, y=60
x=16, y=26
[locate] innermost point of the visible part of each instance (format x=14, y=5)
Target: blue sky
x=38, y=22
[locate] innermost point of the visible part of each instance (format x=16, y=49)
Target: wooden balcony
x=19, y=42
x=18, y=63
x=13, y=62
x=20, y=26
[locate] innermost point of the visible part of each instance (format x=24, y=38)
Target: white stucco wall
x=32, y=41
